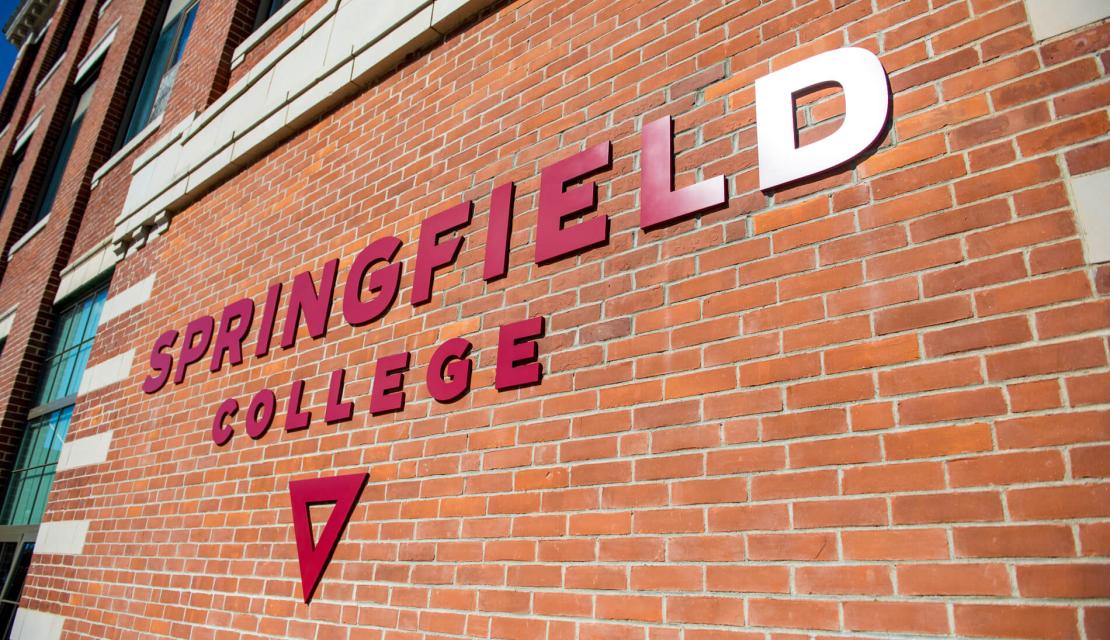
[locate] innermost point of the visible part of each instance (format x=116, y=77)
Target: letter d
x=866, y=105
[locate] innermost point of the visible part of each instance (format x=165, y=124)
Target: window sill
x=31, y=233
x=50, y=74
x=263, y=30
x=126, y=149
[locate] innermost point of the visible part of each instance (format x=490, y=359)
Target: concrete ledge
x=1050, y=18
x=62, y=537
x=6, y=320
x=127, y=300
x=344, y=47
x=83, y=452
x=107, y=373
x=88, y=267
x=96, y=54
x=1091, y=193
x=26, y=237
x=26, y=133
x=36, y=625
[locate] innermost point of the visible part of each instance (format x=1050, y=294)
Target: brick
x=1047, y=83
x=896, y=617
x=1080, y=501
x=809, y=423
x=895, y=544
x=1039, y=431
x=959, y=219
x=1064, y=134
x=973, y=275
x=939, y=441
x=830, y=391
x=876, y=353
x=1064, y=356
x=1006, y=468
x=917, y=258
x=1047, y=541
x=1019, y=234
x=930, y=377
x=871, y=580
x=1063, y=581
x=1034, y=396
x=946, y=507
x=905, y=207
x=1029, y=621
x=748, y=578
x=705, y=610
x=808, y=614
x=840, y=513
x=976, y=336
x=1073, y=319
x=922, y=314
x=992, y=183
x=951, y=406
x=953, y=580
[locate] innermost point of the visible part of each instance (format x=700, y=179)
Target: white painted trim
x=342, y=48
x=50, y=74
x=7, y=319
x=263, y=30
x=1091, y=193
x=127, y=300
x=103, y=8
x=88, y=267
x=62, y=537
x=84, y=452
x=107, y=372
x=126, y=149
x=36, y=625
x=96, y=54
x=1050, y=18
x=6, y=129
x=31, y=233
x=27, y=132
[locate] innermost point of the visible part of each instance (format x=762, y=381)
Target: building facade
x=609, y=319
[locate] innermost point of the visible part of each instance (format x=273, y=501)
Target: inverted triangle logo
x=314, y=556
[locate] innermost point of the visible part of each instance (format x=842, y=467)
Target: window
x=8, y=180
x=267, y=8
x=61, y=157
x=49, y=420
x=161, y=69
x=41, y=444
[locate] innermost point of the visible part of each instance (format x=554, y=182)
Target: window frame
x=128, y=129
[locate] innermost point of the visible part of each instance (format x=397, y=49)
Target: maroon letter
x=230, y=340
x=269, y=316
x=385, y=281
x=295, y=419
x=336, y=410
x=517, y=354
x=258, y=424
x=498, y=232
x=430, y=255
x=192, y=350
x=316, y=306
x=221, y=433
x=552, y=239
x=658, y=202
x=389, y=380
x=450, y=360
x=160, y=361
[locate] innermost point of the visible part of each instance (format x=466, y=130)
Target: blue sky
x=7, y=51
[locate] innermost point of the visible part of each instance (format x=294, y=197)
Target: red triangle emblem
x=314, y=556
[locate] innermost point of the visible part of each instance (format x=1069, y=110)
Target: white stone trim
x=1091, y=195
x=263, y=30
x=50, y=74
x=96, y=54
x=88, y=267
x=127, y=300
x=7, y=319
x=26, y=237
x=27, y=132
x=126, y=149
x=62, y=537
x=107, y=373
x=1050, y=18
x=83, y=452
x=343, y=47
x=36, y=625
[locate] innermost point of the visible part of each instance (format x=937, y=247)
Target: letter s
x=161, y=362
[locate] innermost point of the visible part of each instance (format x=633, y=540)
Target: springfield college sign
x=369, y=288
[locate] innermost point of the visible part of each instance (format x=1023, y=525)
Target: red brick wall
x=872, y=403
